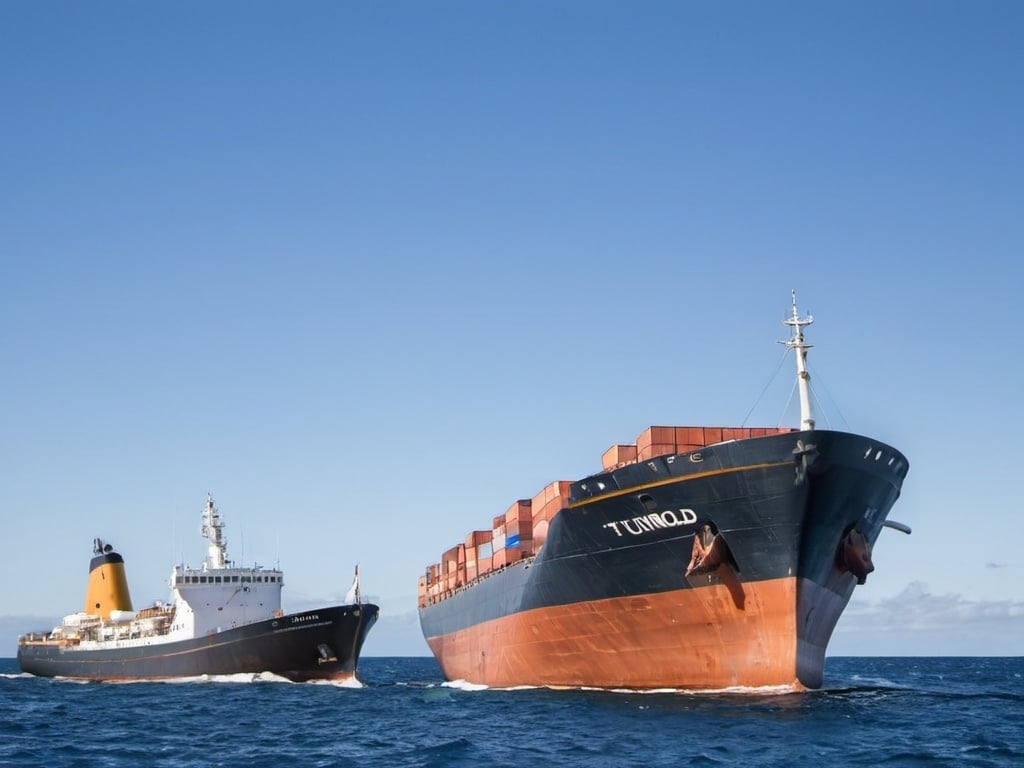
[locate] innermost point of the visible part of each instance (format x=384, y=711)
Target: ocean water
x=870, y=712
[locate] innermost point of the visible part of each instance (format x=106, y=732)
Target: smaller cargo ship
x=221, y=620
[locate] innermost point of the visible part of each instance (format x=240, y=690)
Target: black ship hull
x=607, y=601
x=322, y=644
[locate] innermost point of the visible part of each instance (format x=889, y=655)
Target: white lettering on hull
x=670, y=518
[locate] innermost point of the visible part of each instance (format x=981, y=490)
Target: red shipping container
x=516, y=533
x=546, y=504
x=689, y=436
x=655, y=449
x=643, y=440
x=450, y=560
x=515, y=554
x=521, y=510
x=652, y=435
x=498, y=540
x=560, y=492
x=537, y=506
x=618, y=455
x=498, y=559
x=540, y=532
x=548, y=512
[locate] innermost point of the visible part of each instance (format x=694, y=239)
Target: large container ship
x=698, y=558
x=221, y=620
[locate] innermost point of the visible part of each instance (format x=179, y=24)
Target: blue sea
x=870, y=712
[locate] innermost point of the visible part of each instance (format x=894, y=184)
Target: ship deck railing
x=449, y=593
x=47, y=638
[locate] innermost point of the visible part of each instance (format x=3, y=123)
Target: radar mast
x=803, y=378
x=213, y=532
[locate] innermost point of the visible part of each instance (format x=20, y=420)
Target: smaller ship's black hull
x=322, y=644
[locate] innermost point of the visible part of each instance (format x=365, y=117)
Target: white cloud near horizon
x=916, y=608
x=918, y=623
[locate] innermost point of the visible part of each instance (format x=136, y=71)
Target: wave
x=462, y=685
x=238, y=678
x=350, y=683
x=742, y=690
x=764, y=690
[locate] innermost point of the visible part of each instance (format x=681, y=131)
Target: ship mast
x=213, y=531
x=796, y=342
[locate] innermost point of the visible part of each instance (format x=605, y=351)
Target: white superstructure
x=219, y=596
x=204, y=601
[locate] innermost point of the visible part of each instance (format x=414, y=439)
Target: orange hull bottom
x=717, y=636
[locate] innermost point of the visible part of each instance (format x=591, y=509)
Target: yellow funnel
x=108, y=585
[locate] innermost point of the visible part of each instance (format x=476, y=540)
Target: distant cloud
x=916, y=622
x=916, y=608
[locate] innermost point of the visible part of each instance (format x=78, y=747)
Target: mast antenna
x=797, y=344
x=213, y=532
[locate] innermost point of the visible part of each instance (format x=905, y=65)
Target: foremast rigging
x=799, y=346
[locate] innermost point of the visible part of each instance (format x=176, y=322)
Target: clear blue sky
x=370, y=272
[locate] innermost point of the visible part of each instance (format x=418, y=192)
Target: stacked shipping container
x=659, y=441
x=478, y=553
x=546, y=505
x=520, y=532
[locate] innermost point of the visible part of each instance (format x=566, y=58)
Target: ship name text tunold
x=670, y=518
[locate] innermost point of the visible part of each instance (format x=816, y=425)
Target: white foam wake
x=462, y=685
